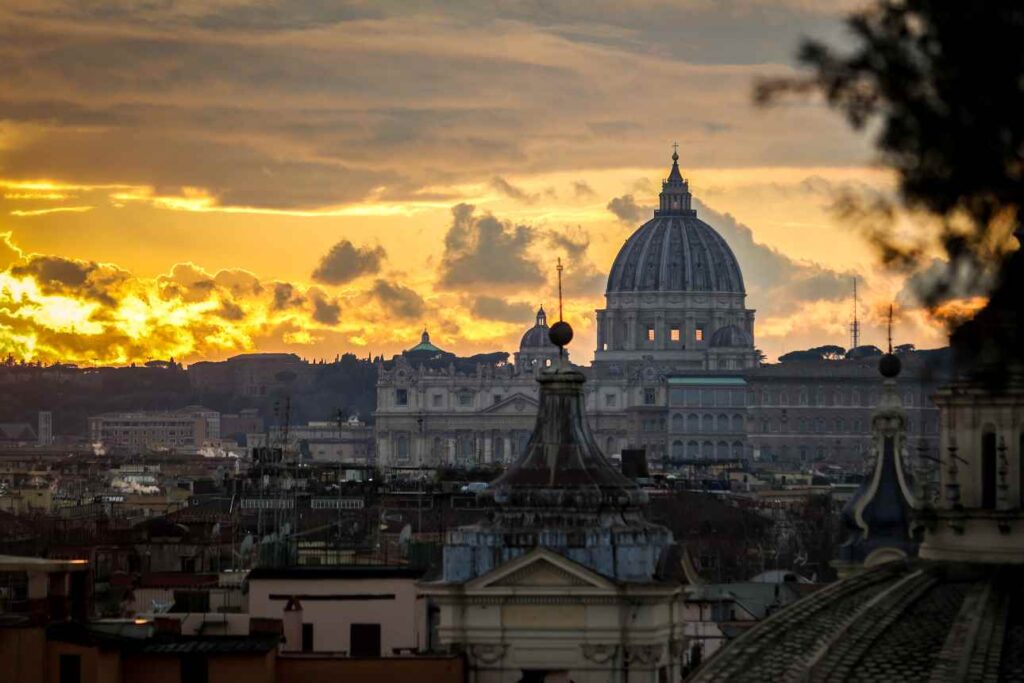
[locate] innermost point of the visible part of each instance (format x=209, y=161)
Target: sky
x=203, y=178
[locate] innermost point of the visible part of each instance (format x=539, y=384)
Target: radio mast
x=855, y=325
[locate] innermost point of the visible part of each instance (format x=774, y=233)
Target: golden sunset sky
x=203, y=178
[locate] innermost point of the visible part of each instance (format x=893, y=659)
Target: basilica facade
x=675, y=371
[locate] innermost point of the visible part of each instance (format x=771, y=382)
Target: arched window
x=737, y=423
x=692, y=450
x=854, y=398
x=707, y=450
x=678, y=423
x=737, y=449
x=819, y=425
x=678, y=452
x=708, y=423
x=692, y=423
x=783, y=398
x=723, y=450
x=803, y=396
x=801, y=425
x=723, y=423
x=988, y=470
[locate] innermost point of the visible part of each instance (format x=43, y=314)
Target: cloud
x=9, y=253
x=287, y=295
x=581, y=276
x=345, y=262
x=495, y=308
x=57, y=275
x=513, y=192
x=399, y=300
x=482, y=250
x=582, y=190
x=325, y=310
x=626, y=209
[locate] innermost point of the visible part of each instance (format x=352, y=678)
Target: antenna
x=559, y=269
x=890, y=328
x=855, y=325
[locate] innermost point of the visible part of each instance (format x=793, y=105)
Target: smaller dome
x=731, y=336
x=537, y=336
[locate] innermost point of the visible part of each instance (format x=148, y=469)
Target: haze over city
x=198, y=180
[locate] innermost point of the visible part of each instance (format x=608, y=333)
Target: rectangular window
x=437, y=400
x=649, y=397
x=673, y=334
x=307, y=637
x=650, y=333
x=497, y=398
x=402, y=397
x=698, y=333
x=609, y=400
x=364, y=640
x=70, y=669
x=464, y=399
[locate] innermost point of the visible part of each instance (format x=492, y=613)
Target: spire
x=674, y=175
x=542, y=317
x=675, y=191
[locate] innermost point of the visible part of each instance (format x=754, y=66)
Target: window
x=650, y=396
x=364, y=640
x=609, y=400
x=673, y=334
x=497, y=398
x=307, y=637
x=194, y=669
x=988, y=470
x=70, y=669
x=437, y=398
x=698, y=333
x=191, y=601
x=402, y=397
x=465, y=399
x=650, y=333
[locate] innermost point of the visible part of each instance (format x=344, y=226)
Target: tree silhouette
x=943, y=84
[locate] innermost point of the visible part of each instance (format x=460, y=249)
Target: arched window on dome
x=678, y=423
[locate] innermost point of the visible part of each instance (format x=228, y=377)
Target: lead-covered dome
x=675, y=251
x=537, y=336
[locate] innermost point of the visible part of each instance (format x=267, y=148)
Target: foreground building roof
x=912, y=621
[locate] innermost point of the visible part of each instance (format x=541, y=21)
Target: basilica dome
x=675, y=251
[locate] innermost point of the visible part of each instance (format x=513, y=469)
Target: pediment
x=516, y=404
x=541, y=569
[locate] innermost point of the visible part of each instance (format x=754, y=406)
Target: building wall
x=313, y=669
x=402, y=618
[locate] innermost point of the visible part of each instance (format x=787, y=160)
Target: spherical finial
x=675, y=156
x=560, y=333
x=889, y=365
